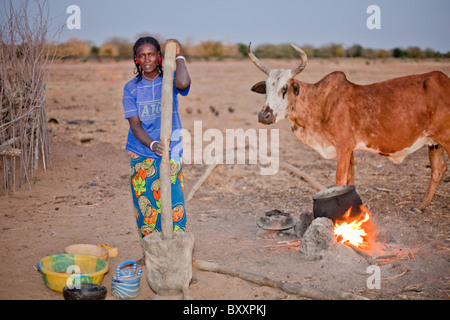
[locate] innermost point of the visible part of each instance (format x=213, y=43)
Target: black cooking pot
x=86, y=291
x=334, y=202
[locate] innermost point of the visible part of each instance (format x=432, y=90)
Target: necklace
x=150, y=79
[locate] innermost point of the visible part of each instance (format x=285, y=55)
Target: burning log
x=292, y=288
x=323, y=236
x=351, y=230
x=363, y=254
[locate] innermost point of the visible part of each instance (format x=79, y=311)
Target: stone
x=305, y=220
x=318, y=239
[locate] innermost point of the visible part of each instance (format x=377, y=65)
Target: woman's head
x=147, y=56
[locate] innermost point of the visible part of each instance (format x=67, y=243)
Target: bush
x=122, y=48
x=398, y=53
x=108, y=50
x=74, y=48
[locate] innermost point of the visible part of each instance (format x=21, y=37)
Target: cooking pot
x=276, y=220
x=334, y=202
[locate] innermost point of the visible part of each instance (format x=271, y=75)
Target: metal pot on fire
x=334, y=202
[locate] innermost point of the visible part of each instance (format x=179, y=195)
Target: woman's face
x=147, y=56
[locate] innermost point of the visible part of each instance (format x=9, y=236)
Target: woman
x=142, y=105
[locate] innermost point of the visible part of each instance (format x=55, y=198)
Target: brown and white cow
x=334, y=116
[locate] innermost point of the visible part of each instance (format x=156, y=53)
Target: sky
x=403, y=23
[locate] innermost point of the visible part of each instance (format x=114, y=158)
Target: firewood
x=292, y=244
x=387, y=256
x=200, y=181
x=363, y=254
x=315, y=184
x=397, y=276
x=292, y=288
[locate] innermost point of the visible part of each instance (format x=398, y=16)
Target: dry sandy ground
x=84, y=197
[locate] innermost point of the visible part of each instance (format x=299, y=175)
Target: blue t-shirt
x=143, y=99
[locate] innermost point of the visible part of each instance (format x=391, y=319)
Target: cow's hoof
x=415, y=210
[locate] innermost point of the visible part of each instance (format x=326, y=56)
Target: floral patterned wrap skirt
x=146, y=192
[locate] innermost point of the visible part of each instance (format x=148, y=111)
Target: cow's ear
x=260, y=87
x=295, y=88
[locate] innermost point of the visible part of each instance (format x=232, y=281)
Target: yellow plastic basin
x=54, y=269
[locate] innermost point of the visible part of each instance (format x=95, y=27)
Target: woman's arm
x=182, y=78
x=143, y=137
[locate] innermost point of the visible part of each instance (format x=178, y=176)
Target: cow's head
x=279, y=87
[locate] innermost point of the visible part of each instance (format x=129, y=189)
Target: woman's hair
x=138, y=43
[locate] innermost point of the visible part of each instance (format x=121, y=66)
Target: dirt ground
x=84, y=197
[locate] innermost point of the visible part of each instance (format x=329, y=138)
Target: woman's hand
x=160, y=148
x=178, y=52
x=182, y=78
x=136, y=127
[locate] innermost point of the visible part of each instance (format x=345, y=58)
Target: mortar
x=168, y=264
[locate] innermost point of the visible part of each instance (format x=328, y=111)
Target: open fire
x=353, y=231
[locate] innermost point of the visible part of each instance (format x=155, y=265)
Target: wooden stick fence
x=24, y=67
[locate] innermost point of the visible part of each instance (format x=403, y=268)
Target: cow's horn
x=257, y=62
x=304, y=58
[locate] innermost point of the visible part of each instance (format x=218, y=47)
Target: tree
x=337, y=51
x=430, y=53
x=355, y=51
x=414, y=52
x=95, y=51
x=398, y=53
x=74, y=48
x=212, y=48
x=108, y=50
x=242, y=49
x=124, y=47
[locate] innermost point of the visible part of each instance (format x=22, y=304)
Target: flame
x=352, y=231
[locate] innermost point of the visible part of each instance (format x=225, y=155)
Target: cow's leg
x=343, y=165
x=438, y=168
x=351, y=171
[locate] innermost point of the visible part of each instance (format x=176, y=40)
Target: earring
x=136, y=62
x=160, y=60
